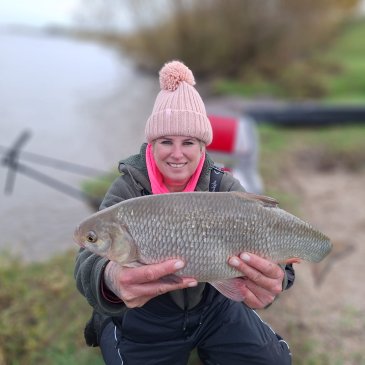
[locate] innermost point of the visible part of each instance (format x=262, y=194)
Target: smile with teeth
x=176, y=165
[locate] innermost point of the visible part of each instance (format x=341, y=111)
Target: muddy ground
x=326, y=306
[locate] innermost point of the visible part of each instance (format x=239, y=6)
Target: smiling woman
x=174, y=159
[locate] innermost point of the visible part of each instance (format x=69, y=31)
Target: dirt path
x=325, y=309
x=326, y=306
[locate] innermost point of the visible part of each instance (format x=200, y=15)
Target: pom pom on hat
x=179, y=109
x=173, y=73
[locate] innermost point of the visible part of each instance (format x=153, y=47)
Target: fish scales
x=205, y=229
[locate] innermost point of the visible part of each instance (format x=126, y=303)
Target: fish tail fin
x=229, y=288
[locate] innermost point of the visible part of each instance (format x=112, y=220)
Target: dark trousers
x=224, y=332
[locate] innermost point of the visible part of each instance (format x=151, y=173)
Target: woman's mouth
x=176, y=165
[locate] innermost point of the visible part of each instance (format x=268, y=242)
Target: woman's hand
x=262, y=279
x=136, y=286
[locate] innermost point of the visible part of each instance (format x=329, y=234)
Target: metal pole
x=11, y=160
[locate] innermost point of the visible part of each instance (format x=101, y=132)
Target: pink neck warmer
x=156, y=178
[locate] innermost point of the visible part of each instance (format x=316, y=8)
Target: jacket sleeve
x=89, y=268
x=88, y=274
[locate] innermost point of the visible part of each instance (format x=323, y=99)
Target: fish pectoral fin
x=229, y=288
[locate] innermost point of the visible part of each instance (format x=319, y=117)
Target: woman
x=142, y=318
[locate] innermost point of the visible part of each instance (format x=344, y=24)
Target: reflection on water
x=84, y=104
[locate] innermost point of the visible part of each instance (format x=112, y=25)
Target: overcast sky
x=64, y=13
x=46, y=12
x=37, y=12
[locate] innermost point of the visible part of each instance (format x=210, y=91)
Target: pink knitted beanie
x=179, y=109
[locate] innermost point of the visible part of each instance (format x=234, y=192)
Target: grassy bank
x=324, y=148
x=347, y=83
x=336, y=72
x=42, y=314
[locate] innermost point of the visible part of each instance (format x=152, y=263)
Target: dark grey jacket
x=134, y=182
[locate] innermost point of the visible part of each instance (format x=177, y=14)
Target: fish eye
x=91, y=237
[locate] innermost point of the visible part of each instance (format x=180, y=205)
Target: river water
x=84, y=104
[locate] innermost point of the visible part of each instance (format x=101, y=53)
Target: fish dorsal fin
x=266, y=201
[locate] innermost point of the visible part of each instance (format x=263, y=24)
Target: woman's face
x=177, y=158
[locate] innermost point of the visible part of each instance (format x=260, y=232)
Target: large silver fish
x=202, y=228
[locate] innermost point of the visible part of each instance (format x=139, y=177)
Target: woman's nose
x=176, y=152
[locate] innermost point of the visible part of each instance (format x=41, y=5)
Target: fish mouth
x=76, y=238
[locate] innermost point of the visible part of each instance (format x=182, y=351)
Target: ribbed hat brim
x=170, y=122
